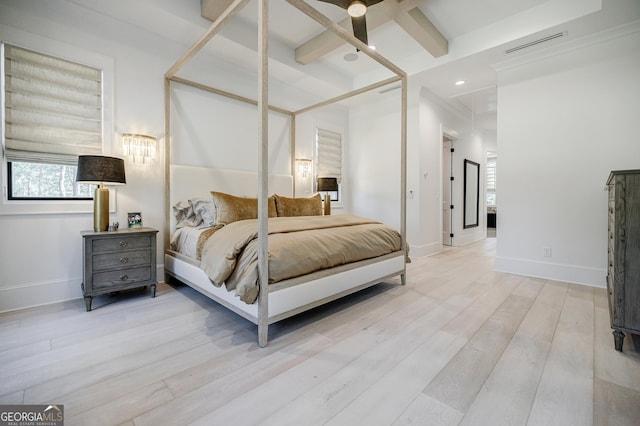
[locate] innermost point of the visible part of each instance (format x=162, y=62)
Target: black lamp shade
x=327, y=184
x=98, y=169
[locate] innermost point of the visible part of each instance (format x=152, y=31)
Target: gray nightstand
x=119, y=260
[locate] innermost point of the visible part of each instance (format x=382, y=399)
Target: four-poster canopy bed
x=294, y=294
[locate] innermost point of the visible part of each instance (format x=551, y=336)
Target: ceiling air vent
x=390, y=89
x=533, y=43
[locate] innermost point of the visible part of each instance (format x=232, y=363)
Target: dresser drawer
x=121, y=243
x=124, y=259
x=119, y=277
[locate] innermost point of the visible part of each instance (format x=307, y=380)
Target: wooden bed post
x=167, y=156
x=263, y=172
x=403, y=175
x=292, y=149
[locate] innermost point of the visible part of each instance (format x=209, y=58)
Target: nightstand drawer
x=121, y=277
x=121, y=243
x=124, y=259
x=118, y=260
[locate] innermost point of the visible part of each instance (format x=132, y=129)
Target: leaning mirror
x=471, y=205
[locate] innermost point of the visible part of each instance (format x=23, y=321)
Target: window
x=491, y=180
x=329, y=157
x=52, y=113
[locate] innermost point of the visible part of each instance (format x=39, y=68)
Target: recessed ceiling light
x=350, y=57
x=459, y=82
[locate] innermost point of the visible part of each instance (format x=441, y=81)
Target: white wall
x=375, y=165
x=436, y=118
x=565, y=121
x=40, y=254
x=215, y=131
x=374, y=169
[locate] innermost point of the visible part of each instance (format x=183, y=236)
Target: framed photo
x=135, y=220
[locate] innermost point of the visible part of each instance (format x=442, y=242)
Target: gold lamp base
x=327, y=204
x=101, y=209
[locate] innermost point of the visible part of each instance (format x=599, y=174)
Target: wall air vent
x=535, y=42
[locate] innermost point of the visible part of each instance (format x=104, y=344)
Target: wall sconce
x=303, y=167
x=140, y=147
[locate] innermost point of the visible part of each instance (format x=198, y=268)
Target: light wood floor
x=460, y=344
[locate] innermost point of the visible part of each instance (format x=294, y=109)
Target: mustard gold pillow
x=230, y=208
x=286, y=206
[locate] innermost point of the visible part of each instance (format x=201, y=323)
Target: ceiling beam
x=404, y=12
x=212, y=9
x=418, y=26
x=328, y=41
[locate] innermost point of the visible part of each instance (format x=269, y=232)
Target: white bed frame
x=281, y=300
x=288, y=297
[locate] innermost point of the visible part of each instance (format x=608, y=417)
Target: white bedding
x=185, y=240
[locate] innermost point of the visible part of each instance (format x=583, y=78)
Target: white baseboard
x=38, y=294
x=46, y=293
x=425, y=250
x=462, y=239
x=595, y=277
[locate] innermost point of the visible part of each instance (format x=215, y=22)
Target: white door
x=447, y=186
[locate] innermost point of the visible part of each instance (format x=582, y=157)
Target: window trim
x=74, y=54
x=491, y=159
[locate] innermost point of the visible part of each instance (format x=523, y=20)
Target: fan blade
x=360, y=28
x=340, y=3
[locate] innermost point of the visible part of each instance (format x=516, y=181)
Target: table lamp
x=99, y=169
x=326, y=184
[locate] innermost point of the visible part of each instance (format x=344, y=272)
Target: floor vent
x=533, y=43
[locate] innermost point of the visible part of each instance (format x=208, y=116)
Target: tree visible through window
x=52, y=113
x=48, y=181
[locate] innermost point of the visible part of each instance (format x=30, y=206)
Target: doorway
x=447, y=190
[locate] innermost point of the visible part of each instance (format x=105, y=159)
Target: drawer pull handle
x=124, y=277
x=123, y=243
x=124, y=260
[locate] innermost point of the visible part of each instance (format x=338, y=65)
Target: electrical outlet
x=547, y=251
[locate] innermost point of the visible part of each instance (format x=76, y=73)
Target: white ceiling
x=478, y=32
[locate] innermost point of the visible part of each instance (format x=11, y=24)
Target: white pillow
x=204, y=210
x=185, y=216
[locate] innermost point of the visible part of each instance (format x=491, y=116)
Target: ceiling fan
x=357, y=9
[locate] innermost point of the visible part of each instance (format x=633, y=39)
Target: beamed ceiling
x=405, y=13
x=436, y=42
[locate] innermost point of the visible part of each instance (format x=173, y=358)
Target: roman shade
x=53, y=108
x=329, y=154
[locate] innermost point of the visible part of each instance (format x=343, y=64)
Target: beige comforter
x=297, y=246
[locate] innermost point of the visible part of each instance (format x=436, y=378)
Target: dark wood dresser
x=119, y=260
x=623, y=267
